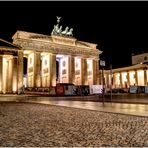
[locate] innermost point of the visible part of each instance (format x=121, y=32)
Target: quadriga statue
x=65, y=31
x=70, y=32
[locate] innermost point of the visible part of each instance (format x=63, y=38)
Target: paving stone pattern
x=39, y=125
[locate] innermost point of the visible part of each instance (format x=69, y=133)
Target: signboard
x=102, y=63
x=52, y=90
x=96, y=89
x=146, y=89
x=133, y=89
x=70, y=90
x=141, y=89
x=59, y=89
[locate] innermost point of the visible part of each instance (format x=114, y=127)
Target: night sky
x=119, y=28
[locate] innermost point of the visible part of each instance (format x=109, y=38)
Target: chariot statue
x=58, y=30
x=54, y=31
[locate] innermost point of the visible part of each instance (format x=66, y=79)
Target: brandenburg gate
x=50, y=59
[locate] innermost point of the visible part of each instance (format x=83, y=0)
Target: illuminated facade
x=11, y=72
x=50, y=59
x=137, y=74
x=139, y=58
x=77, y=62
x=127, y=76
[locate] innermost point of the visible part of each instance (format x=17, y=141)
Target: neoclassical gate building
x=58, y=57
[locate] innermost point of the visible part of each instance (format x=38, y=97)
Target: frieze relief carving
x=30, y=70
x=63, y=40
x=55, y=48
x=89, y=73
x=45, y=70
x=77, y=72
x=64, y=71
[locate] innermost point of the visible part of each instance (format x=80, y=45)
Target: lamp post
x=111, y=79
x=102, y=64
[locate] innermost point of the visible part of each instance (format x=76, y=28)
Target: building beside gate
x=134, y=75
x=58, y=57
x=11, y=68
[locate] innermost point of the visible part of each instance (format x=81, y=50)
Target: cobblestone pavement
x=38, y=125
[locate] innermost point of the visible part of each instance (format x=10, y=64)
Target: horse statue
x=65, y=31
x=69, y=33
x=59, y=30
x=55, y=29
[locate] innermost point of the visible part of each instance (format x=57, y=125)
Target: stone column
x=121, y=82
x=53, y=69
x=71, y=67
x=107, y=80
x=136, y=77
x=114, y=80
x=84, y=80
x=5, y=75
x=28, y=83
x=128, y=79
x=20, y=69
x=1, y=70
x=14, y=77
x=10, y=70
x=8, y=80
x=95, y=69
x=37, y=68
x=145, y=77
x=34, y=69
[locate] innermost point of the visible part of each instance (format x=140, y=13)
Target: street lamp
x=111, y=79
x=102, y=64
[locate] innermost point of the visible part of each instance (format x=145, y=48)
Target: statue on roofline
x=58, y=19
x=65, y=31
x=70, y=32
x=58, y=30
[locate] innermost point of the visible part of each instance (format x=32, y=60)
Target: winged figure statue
x=58, y=19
